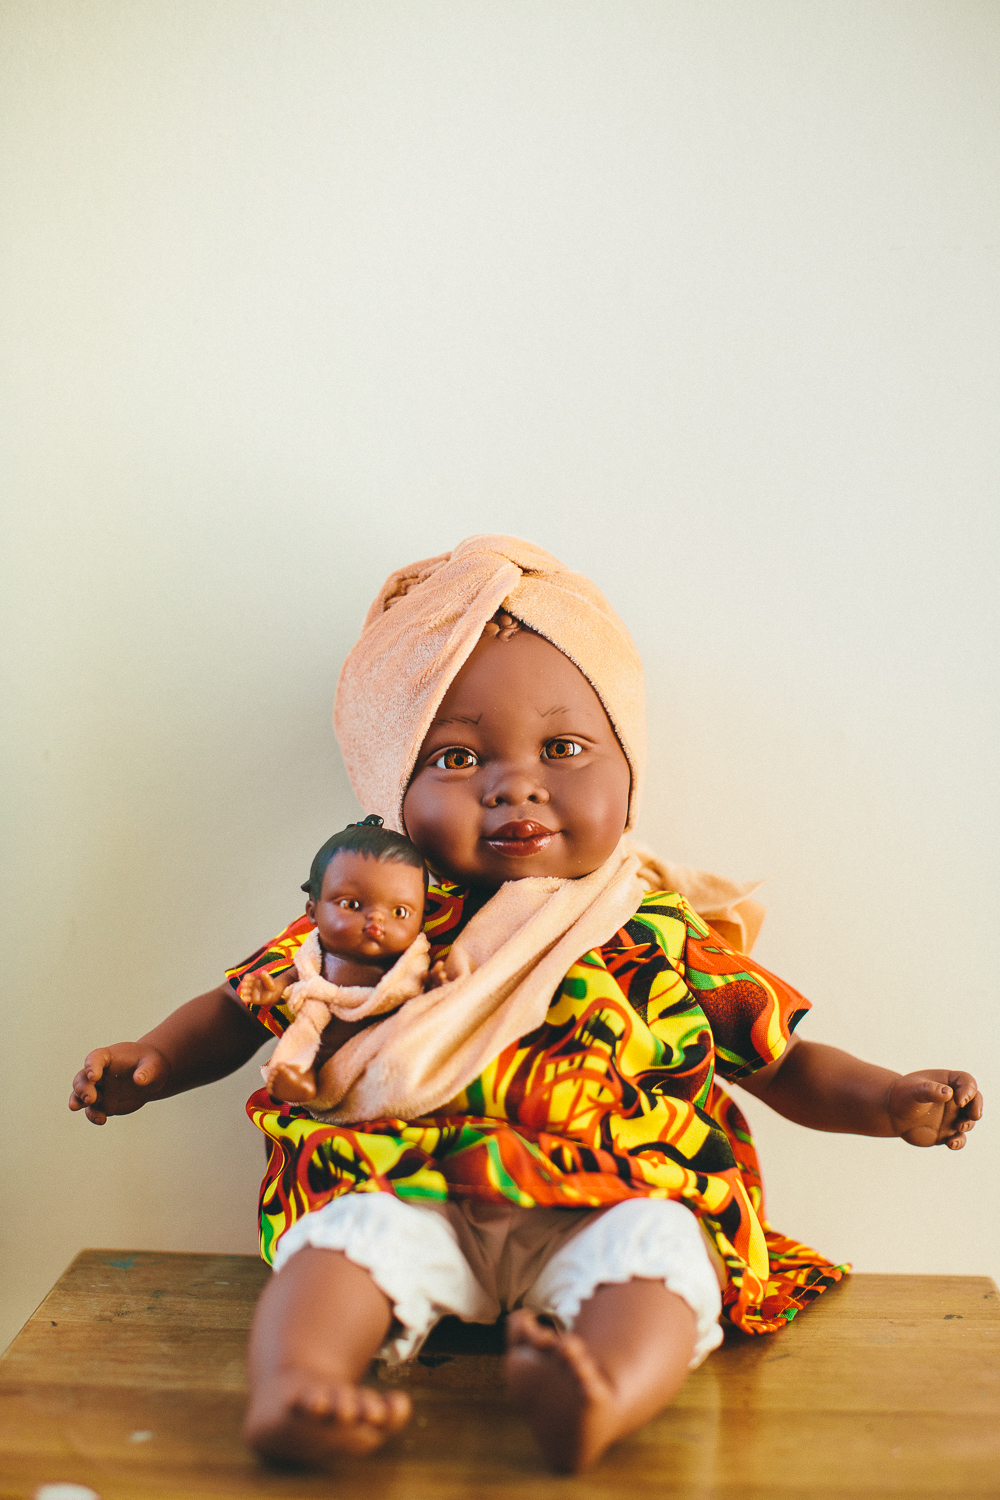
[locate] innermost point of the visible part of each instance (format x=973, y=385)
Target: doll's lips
x=520, y=839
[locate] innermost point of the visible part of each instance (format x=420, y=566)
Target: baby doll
x=366, y=897
x=544, y=1132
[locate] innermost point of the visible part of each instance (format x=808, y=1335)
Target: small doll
x=365, y=957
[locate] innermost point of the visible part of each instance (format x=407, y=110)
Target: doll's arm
x=827, y=1089
x=208, y=1038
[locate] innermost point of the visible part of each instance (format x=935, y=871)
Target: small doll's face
x=368, y=909
x=520, y=773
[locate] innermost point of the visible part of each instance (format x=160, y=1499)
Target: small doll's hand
x=119, y=1080
x=455, y=966
x=262, y=988
x=935, y=1107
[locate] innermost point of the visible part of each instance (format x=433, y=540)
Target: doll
x=365, y=957
x=543, y=1132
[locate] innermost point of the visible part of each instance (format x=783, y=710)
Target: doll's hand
x=119, y=1080
x=455, y=966
x=935, y=1107
x=262, y=988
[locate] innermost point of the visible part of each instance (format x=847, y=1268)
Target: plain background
x=701, y=296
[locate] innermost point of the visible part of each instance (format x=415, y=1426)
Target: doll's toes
x=524, y=1331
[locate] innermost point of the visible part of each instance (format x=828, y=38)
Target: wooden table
x=129, y=1379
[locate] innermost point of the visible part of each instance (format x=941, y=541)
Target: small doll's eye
x=401, y=911
x=456, y=759
x=348, y=904
x=561, y=749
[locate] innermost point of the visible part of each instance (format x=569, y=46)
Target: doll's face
x=520, y=773
x=369, y=908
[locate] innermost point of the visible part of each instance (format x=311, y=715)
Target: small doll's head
x=366, y=891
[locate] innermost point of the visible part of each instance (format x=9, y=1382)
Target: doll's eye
x=561, y=749
x=456, y=759
x=401, y=911
x=349, y=904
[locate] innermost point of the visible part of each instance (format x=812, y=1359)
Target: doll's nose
x=513, y=786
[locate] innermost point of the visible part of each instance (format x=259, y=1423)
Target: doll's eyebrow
x=459, y=719
x=579, y=711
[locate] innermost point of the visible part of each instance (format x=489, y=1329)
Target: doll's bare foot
x=572, y=1407
x=306, y=1417
x=291, y=1085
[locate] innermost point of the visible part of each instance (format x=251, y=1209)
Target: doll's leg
x=366, y=1272
x=290, y=1075
x=639, y=1292
x=318, y=1325
x=625, y=1360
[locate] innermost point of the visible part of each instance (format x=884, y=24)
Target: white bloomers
x=477, y=1260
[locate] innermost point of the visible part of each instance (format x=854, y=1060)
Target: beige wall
x=702, y=297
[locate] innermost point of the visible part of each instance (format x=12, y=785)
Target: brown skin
x=369, y=912
x=520, y=774
x=317, y=1326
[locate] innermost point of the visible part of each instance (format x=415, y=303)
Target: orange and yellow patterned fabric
x=614, y=1096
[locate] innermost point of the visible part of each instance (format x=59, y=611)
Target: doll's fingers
x=964, y=1087
x=83, y=1089
x=927, y=1091
x=94, y=1064
x=96, y=1116
x=149, y=1070
x=972, y=1106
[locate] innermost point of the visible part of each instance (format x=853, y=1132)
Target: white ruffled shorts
x=475, y=1261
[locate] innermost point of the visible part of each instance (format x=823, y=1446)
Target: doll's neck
x=353, y=971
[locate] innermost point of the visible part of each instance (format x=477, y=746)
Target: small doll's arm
x=827, y=1089
x=262, y=988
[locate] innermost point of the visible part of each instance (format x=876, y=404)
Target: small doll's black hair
x=369, y=838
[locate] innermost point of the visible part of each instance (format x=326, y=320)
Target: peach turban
x=508, y=962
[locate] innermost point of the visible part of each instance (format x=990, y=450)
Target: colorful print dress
x=614, y=1096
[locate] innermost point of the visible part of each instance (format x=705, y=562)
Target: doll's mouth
x=520, y=839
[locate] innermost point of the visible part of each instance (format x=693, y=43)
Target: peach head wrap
x=507, y=964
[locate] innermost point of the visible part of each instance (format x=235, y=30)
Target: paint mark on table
x=65, y=1492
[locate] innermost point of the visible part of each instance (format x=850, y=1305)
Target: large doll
x=543, y=1132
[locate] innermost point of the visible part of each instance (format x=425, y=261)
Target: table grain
x=129, y=1379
